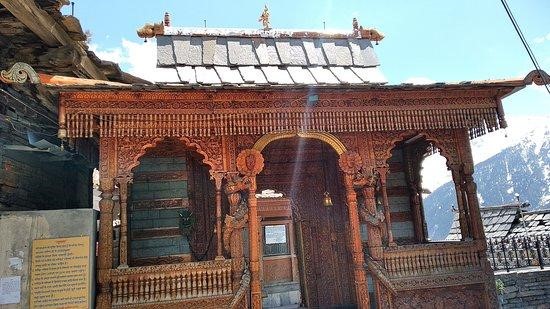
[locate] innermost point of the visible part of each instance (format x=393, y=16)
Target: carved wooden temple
x=308, y=115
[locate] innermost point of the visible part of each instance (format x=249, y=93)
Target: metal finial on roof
x=167, y=19
x=264, y=18
x=355, y=24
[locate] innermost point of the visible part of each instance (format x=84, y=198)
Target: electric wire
x=29, y=107
x=525, y=44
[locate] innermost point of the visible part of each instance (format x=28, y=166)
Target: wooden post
x=254, y=237
x=375, y=237
x=123, y=185
x=233, y=189
x=469, y=188
x=473, y=205
x=462, y=218
x=350, y=163
x=474, y=215
x=107, y=172
x=413, y=155
x=250, y=162
x=218, y=178
x=383, y=173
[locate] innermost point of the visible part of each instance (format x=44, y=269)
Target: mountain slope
x=521, y=165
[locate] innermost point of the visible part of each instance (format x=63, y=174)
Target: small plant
x=499, y=286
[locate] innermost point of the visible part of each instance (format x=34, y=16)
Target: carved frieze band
x=434, y=281
x=160, y=204
x=160, y=176
x=83, y=122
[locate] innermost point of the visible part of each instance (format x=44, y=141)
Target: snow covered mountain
x=515, y=160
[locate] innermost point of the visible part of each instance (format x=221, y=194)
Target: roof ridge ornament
x=151, y=30
x=264, y=18
x=370, y=34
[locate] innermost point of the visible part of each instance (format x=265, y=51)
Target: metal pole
x=522, y=218
x=492, y=253
x=539, y=254
x=504, y=253
x=514, y=245
x=527, y=247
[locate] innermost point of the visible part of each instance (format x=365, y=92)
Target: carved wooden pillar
x=250, y=162
x=373, y=221
x=107, y=172
x=474, y=217
x=476, y=223
x=350, y=163
x=234, y=223
x=218, y=178
x=413, y=157
x=417, y=212
x=383, y=171
x=462, y=209
x=123, y=187
x=468, y=186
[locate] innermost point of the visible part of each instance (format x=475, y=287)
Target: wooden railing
x=433, y=258
x=172, y=282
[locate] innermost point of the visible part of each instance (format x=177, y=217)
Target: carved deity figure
x=264, y=18
x=239, y=210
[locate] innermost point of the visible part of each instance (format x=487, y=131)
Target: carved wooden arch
x=132, y=149
x=385, y=142
x=328, y=138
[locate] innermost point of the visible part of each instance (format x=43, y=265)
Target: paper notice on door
x=10, y=290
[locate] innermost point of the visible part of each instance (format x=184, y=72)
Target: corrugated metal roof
x=280, y=60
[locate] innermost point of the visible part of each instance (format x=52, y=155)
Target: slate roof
x=255, y=57
x=536, y=222
x=497, y=221
x=505, y=220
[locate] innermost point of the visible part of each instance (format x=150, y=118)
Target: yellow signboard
x=60, y=273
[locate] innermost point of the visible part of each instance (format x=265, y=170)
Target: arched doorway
x=304, y=169
x=170, y=184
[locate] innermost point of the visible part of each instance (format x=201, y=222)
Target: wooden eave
x=117, y=111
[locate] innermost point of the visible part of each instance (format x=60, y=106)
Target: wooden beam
x=52, y=33
x=40, y=22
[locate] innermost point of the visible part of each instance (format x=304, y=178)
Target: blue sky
x=431, y=40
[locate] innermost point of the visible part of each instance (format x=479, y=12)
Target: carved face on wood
x=250, y=162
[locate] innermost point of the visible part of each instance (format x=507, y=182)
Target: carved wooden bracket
x=19, y=73
x=131, y=149
x=350, y=162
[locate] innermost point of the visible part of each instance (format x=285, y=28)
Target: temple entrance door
x=304, y=169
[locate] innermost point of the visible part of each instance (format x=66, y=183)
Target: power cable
x=28, y=106
x=525, y=44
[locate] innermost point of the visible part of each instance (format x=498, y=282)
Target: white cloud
x=110, y=54
x=542, y=39
x=139, y=59
x=418, y=80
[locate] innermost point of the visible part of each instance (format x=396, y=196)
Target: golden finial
x=264, y=18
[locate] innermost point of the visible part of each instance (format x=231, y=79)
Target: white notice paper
x=10, y=290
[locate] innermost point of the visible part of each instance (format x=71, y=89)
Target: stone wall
x=35, y=179
x=525, y=289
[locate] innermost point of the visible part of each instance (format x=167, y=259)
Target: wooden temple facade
x=305, y=115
